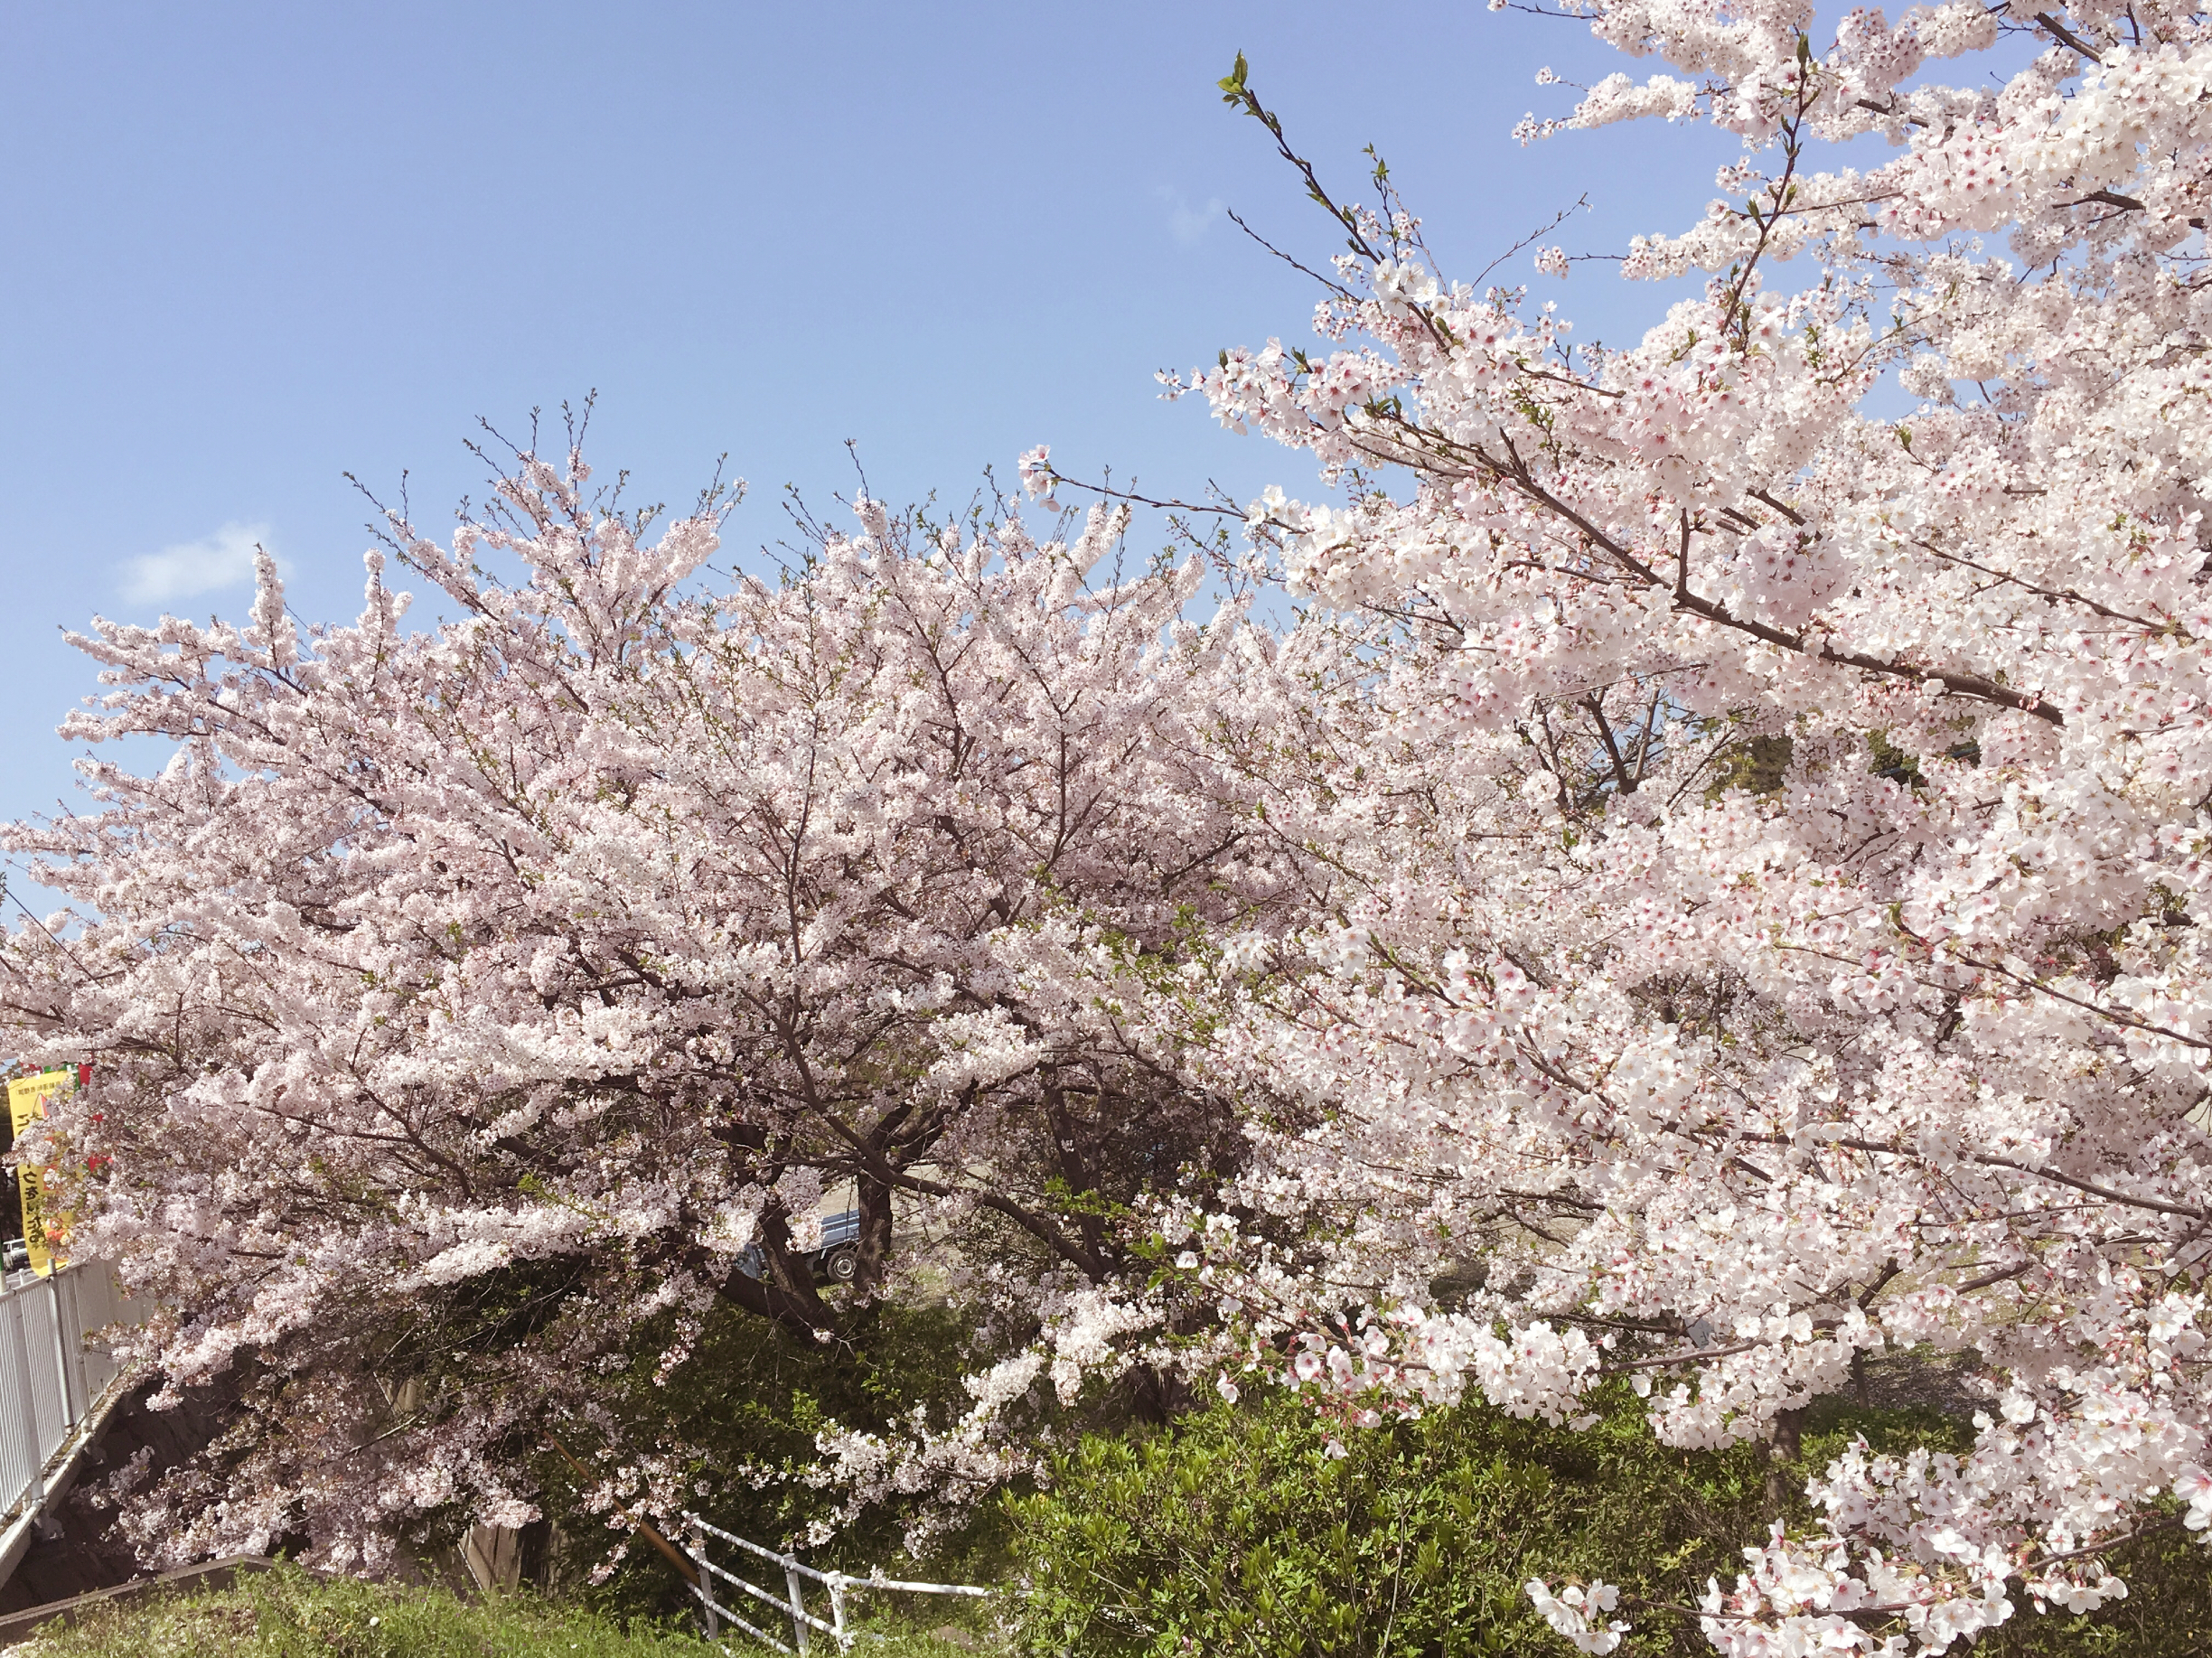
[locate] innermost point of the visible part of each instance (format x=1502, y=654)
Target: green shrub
x=1238, y=1531
x=739, y=1416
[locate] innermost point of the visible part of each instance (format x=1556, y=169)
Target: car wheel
x=840, y=1263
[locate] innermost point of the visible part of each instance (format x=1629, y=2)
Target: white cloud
x=1185, y=222
x=224, y=559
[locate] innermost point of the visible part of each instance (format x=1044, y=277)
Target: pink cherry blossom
x=559, y=955
x=1707, y=868
x=1764, y=940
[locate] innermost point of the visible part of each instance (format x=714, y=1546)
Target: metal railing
x=52, y=1377
x=791, y=1604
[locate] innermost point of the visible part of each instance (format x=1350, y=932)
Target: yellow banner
x=27, y=1098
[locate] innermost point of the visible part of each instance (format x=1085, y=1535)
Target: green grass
x=285, y=1612
x=900, y=1628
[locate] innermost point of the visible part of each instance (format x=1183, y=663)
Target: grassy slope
x=285, y=1614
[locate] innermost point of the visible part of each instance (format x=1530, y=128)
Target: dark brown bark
x=874, y=1250
x=1782, y=1450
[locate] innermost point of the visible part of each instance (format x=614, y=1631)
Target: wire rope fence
x=790, y=1606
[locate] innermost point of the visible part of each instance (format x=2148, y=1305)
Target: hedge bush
x=1241, y=1531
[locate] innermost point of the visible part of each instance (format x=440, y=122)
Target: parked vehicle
x=834, y=1262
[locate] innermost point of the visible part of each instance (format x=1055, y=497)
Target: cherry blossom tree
x=460, y=1001
x=1702, y=893
x=1768, y=934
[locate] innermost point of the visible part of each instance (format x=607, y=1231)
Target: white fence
x=791, y=1604
x=51, y=1378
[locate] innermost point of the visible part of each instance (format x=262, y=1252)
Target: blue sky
x=253, y=248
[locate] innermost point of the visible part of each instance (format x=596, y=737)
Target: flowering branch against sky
x=260, y=247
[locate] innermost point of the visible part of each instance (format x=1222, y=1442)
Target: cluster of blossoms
x=1766, y=942
x=1706, y=892
x=1571, y=1612
x=468, y=1005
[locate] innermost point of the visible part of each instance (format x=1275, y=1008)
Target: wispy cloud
x=224, y=559
x=1187, y=223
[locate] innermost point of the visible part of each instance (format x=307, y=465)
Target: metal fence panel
x=68, y=1320
x=99, y=1305
x=20, y=1461
x=792, y=1602
x=50, y=1376
x=43, y=1349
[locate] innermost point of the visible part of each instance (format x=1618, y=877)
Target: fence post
x=53, y=1288
x=836, y=1611
x=706, y=1583
x=797, y=1603
x=67, y=1347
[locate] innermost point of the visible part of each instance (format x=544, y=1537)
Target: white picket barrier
x=52, y=1379
x=791, y=1604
